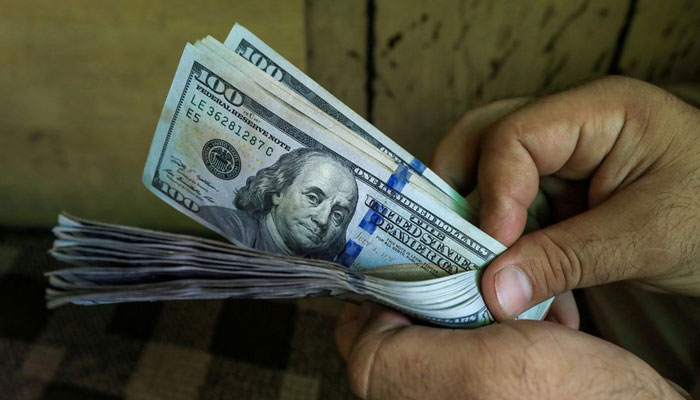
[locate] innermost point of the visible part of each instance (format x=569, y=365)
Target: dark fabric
x=174, y=350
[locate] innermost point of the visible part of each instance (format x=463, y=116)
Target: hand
x=624, y=157
x=621, y=160
x=388, y=358
x=455, y=159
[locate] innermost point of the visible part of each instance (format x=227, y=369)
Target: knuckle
x=556, y=265
x=504, y=143
x=506, y=130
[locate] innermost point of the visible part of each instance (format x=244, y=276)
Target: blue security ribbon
x=350, y=253
x=418, y=166
x=372, y=219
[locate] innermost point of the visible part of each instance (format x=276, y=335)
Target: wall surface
x=84, y=86
x=84, y=83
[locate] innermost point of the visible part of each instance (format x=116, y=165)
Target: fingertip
x=507, y=286
x=440, y=164
x=528, y=273
x=564, y=311
x=381, y=319
x=362, y=349
x=364, y=323
x=513, y=290
x=503, y=219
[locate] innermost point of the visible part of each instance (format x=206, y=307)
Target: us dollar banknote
x=231, y=156
x=314, y=199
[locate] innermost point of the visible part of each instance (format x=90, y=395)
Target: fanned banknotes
x=315, y=200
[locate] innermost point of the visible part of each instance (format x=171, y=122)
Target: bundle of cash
x=314, y=199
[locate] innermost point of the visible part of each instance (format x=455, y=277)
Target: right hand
x=624, y=155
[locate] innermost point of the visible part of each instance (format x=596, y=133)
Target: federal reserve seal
x=221, y=159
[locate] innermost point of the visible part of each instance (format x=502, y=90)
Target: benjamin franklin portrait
x=301, y=205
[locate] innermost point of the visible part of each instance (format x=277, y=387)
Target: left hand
x=390, y=358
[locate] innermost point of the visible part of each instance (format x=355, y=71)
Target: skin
x=311, y=212
x=620, y=160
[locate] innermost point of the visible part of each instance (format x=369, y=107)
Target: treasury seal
x=221, y=159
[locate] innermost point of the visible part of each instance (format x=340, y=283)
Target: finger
x=389, y=358
x=354, y=318
x=564, y=311
x=517, y=359
x=620, y=239
x=567, y=134
x=380, y=323
x=455, y=157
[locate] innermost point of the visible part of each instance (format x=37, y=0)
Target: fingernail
x=363, y=314
x=513, y=290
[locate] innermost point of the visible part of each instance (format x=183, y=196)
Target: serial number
x=231, y=125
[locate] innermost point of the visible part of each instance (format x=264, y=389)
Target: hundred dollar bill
x=254, y=50
x=264, y=176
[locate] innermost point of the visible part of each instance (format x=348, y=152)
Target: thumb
x=602, y=245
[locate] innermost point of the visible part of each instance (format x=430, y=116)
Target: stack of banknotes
x=314, y=199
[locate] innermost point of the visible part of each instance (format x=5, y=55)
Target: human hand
x=621, y=160
x=389, y=358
